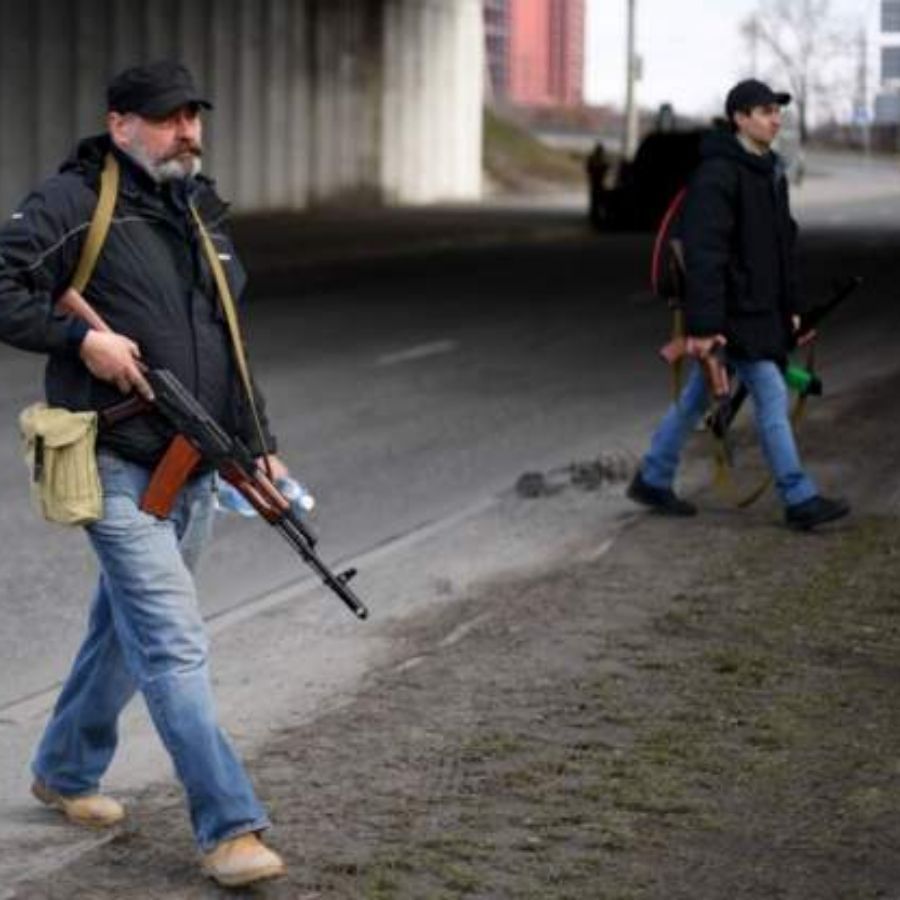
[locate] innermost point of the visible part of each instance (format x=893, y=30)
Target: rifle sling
x=231, y=317
x=100, y=222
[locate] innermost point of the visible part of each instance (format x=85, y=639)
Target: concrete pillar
x=54, y=113
x=316, y=101
x=434, y=70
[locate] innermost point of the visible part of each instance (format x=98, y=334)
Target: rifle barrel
x=295, y=537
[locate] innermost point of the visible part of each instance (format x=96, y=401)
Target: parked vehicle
x=644, y=186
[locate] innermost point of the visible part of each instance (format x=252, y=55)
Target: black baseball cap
x=747, y=94
x=153, y=90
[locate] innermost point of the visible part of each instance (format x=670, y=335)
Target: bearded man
x=153, y=286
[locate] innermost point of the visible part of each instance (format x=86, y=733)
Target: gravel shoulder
x=702, y=709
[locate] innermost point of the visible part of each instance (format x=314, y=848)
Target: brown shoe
x=242, y=860
x=93, y=810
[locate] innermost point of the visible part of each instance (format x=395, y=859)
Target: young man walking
x=155, y=290
x=738, y=238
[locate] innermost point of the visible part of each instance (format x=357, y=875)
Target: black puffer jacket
x=739, y=250
x=151, y=283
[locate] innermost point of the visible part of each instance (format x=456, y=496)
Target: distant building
x=496, y=36
x=535, y=51
x=887, y=100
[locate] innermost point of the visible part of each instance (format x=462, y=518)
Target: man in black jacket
x=155, y=290
x=741, y=300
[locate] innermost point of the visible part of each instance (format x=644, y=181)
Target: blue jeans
x=771, y=408
x=146, y=633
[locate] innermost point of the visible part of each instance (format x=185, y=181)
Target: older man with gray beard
x=153, y=287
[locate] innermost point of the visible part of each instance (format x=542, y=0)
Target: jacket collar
x=725, y=144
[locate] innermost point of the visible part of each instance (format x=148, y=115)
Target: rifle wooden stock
x=71, y=303
x=673, y=351
x=172, y=471
x=714, y=369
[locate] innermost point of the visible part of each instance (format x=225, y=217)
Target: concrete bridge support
x=316, y=101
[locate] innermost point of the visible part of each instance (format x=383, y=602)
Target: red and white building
x=535, y=51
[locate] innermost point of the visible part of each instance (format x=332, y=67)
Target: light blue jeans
x=146, y=633
x=771, y=408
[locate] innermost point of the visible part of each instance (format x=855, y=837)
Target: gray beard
x=168, y=170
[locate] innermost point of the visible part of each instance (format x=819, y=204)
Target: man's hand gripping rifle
x=200, y=438
x=802, y=380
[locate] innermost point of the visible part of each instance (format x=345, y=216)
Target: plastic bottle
x=302, y=501
x=230, y=499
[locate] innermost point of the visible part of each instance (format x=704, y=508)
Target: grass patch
x=513, y=156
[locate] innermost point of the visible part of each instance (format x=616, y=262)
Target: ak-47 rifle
x=804, y=381
x=199, y=438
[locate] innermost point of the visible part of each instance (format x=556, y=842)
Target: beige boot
x=242, y=860
x=93, y=810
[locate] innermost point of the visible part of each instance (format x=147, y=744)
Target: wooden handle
x=71, y=303
x=169, y=477
x=673, y=351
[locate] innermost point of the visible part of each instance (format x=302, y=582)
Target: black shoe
x=663, y=500
x=814, y=512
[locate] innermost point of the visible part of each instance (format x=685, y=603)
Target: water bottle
x=230, y=499
x=302, y=501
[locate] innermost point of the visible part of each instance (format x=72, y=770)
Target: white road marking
x=420, y=351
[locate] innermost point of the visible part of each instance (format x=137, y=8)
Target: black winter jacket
x=151, y=283
x=739, y=242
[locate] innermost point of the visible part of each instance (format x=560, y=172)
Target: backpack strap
x=664, y=241
x=100, y=222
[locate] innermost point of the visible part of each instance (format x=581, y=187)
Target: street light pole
x=629, y=145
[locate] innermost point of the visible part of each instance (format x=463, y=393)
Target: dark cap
x=750, y=93
x=154, y=90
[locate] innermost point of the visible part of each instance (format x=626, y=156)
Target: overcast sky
x=691, y=49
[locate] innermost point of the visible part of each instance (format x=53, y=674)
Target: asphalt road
x=404, y=388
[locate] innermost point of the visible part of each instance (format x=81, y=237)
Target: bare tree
x=801, y=39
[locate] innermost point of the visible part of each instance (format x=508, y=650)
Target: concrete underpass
x=316, y=101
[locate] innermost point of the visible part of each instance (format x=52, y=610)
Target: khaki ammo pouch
x=59, y=447
x=59, y=444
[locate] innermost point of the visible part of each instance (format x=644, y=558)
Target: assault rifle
x=805, y=382
x=200, y=438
